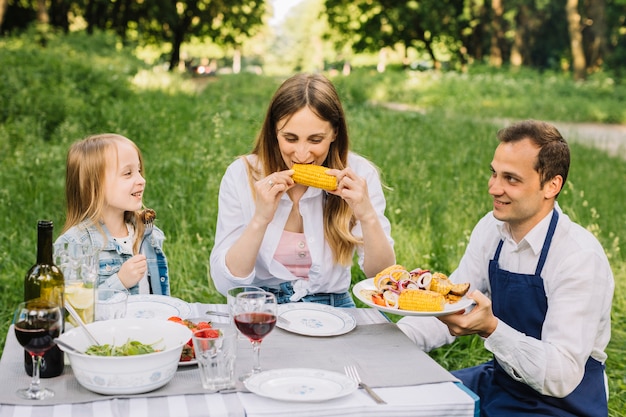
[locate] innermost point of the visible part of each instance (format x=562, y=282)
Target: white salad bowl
x=116, y=375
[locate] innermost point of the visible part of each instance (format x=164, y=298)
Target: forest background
x=112, y=66
x=578, y=37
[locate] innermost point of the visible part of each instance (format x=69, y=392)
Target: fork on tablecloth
x=354, y=375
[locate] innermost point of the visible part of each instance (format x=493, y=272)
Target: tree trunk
x=382, y=60
x=180, y=29
x=179, y=36
x=175, y=56
x=579, y=64
x=497, y=34
x=118, y=24
x=429, y=49
x=237, y=61
x=3, y=8
x=472, y=45
x=519, y=49
x=59, y=10
x=42, y=12
x=597, y=34
x=89, y=16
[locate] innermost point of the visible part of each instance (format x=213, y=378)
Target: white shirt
x=236, y=208
x=578, y=283
x=126, y=245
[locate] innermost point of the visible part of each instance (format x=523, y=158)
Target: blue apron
x=520, y=301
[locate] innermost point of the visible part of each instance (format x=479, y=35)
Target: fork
x=148, y=220
x=354, y=375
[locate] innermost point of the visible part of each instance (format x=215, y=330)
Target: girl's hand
x=133, y=270
x=353, y=189
x=269, y=191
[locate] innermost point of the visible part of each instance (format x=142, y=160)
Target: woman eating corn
x=293, y=212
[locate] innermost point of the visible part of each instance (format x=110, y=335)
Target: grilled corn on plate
x=417, y=290
x=421, y=300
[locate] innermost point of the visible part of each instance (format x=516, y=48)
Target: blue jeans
x=285, y=291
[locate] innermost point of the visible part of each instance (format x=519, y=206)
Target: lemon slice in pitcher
x=79, y=296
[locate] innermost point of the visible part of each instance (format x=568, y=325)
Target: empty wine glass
x=37, y=323
x=255, y=316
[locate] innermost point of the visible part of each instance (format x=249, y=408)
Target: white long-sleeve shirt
x=236, y=208
x=579, y=286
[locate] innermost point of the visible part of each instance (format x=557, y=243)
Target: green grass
x=435, y=164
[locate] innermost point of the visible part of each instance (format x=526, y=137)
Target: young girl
x=104, y=195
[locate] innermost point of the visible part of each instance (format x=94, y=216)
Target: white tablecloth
x=431, y=399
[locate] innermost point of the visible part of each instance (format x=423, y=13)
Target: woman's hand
x=353, y=189
x=269, y=191
x=241, y=256
x=480, y=320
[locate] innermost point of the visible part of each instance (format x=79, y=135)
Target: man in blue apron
x=542, y=285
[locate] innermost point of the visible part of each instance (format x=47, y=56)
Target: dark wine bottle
x=45, y=280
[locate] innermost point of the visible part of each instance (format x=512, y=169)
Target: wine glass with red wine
x=255, y=316
x=37, y=323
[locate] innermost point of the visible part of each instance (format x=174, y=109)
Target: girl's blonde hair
x=318, y=94
x=87, y=161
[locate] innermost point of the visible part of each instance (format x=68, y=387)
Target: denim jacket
x=112, y=256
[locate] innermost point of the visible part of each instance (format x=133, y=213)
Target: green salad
x=130, y=348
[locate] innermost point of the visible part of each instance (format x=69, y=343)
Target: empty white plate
x=313, y=319
x=300, y=384
x=141, y=306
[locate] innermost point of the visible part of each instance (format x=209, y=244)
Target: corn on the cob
x=440, y=283
x=421, y=300
x=314, y=176
x=396, y=271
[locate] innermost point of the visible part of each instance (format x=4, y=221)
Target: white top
x=236, y=208
x=579, y=287
x=126, y=245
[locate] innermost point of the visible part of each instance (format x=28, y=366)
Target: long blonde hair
x=318, y=94
x=87, y=161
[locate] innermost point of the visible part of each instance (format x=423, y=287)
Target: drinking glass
x=254, y=313
x=37, y=323
x=110, y=304
x=216, y=351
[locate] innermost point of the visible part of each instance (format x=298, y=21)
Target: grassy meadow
x=434, y=161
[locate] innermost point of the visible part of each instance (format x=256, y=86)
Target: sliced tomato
x=203, y=325
x=378, y=299
x=208, y=333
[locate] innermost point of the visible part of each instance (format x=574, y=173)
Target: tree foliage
x=535, y=33
x=581, y=36
x=225, y=22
